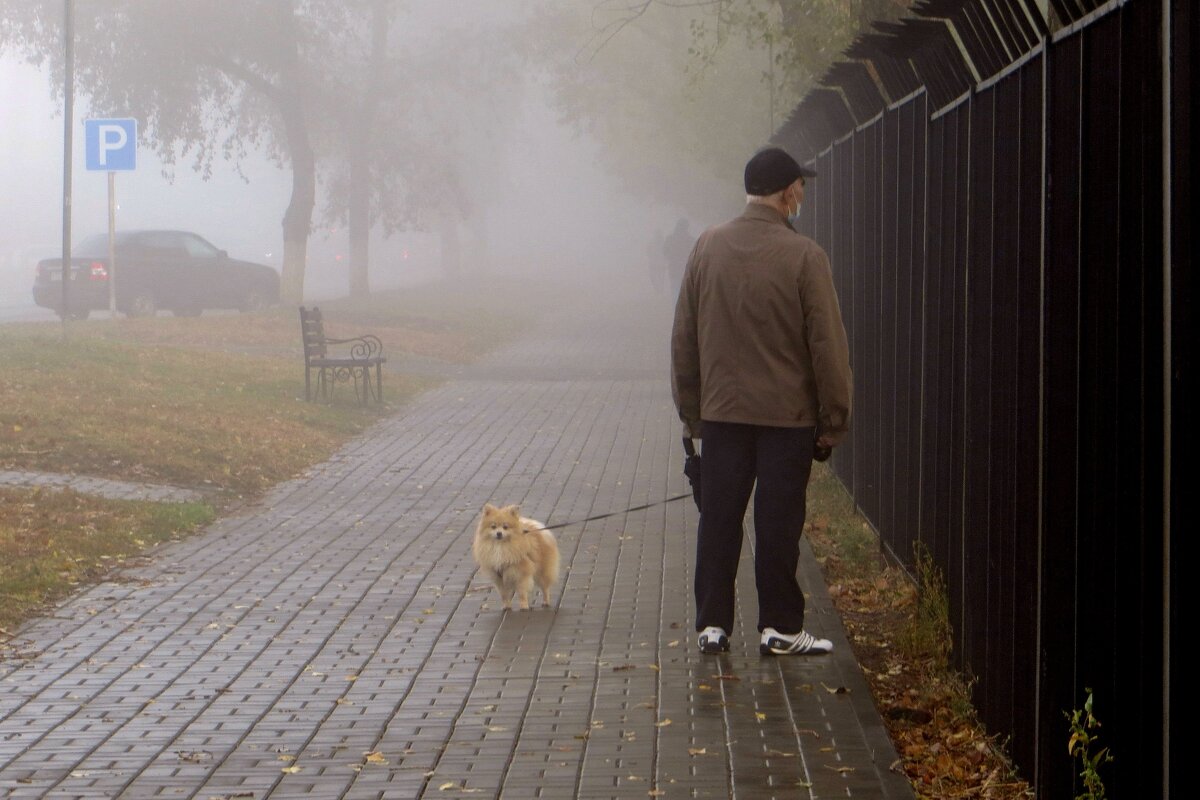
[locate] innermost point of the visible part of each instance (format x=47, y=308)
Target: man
x=761, y=373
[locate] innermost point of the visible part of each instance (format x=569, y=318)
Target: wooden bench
x=354, y=362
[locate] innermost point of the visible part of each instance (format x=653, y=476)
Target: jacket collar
x=764, y=212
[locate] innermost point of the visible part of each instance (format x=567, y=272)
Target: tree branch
x=248, y=76
x=604, y=34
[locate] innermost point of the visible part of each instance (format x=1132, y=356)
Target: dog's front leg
x=505, y=588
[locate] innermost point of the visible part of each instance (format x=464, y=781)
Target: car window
x=97, y=246
x=198, y=248
x=92, y=247
x=162, y=243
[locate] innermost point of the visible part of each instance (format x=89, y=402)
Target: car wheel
x=253, y=301
x=141, y=304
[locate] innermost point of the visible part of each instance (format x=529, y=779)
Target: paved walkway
x=334, y=640
x=117, y=490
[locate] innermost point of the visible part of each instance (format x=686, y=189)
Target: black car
x=173, y=270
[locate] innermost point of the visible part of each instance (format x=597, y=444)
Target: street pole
x=112, y=245
x=68, y=123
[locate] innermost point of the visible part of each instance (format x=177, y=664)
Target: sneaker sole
x=714, y=648
x=767, y=650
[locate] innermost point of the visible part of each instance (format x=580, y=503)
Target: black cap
x=772, y=170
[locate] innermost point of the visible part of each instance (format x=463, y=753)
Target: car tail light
x=99, y=271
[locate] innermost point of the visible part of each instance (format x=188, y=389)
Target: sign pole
x=112, y=245
x=68, y=107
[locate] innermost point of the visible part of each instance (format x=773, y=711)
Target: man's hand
x=822, y=448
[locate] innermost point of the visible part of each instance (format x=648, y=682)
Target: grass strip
x=51, y=541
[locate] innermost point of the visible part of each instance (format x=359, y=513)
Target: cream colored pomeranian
x=515, y=551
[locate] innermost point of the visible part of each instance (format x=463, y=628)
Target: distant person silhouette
x=676, y=249
x=654, y=262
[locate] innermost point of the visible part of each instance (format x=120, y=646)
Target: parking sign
x=110, y=145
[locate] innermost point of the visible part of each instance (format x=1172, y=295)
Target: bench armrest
x=366, y=346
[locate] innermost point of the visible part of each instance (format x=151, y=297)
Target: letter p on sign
x=110, y=144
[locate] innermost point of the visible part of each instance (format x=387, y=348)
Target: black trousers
x=775, y=464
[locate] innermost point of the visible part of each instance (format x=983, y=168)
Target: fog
x=546, y=205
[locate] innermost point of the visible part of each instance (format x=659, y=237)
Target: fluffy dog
x=515, y=551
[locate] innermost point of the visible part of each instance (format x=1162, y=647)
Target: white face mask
x=794, y=214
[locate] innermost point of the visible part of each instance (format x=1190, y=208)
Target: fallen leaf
x=838, y=690
x=291, y=770
x=376, y=757
x=842, y=770
x=673, y=643
x=760, y=716
x=697, y=751
x=662, y=724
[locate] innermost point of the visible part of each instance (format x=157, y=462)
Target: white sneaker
x=792, y=644
x=714, y=640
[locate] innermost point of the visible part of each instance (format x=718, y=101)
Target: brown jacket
x=758, y=335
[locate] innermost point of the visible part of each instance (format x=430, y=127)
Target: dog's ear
x=514, y=509
x=488, y=508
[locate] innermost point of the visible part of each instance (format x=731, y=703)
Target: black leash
x=615, y=513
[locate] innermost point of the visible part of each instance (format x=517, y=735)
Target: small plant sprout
x=1080, y=745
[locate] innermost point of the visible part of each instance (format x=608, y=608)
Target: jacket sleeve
x=685, y=351
x=827, y=345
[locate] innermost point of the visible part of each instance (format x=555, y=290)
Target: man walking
x=761, y=373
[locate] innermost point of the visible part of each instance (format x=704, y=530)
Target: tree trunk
x=360, y=141
x=297, y=221
x=359, y=207
x=451, y=249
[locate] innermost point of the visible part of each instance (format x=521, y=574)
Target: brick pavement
x=334, y=641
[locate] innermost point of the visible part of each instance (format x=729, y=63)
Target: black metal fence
x=993, y=194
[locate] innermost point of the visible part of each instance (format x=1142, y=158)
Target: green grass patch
x=163, y=414
x=52, y=541
x=928, y=635
x=843, y=541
